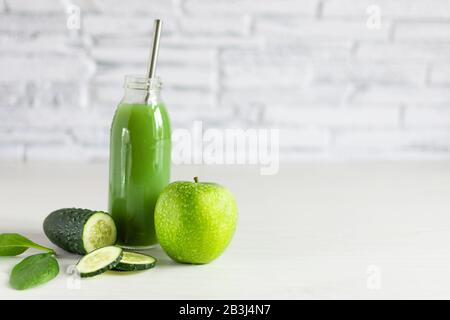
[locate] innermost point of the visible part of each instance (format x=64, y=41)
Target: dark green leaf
x=33, y=271
x=13, y=244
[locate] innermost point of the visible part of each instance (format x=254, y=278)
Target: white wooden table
x=343, y=230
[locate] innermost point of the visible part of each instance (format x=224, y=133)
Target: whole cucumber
x=80, y=231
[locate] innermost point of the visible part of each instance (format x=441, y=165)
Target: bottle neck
x=141, y=90
x=138, y=96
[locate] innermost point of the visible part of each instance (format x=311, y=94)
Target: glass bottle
x=140, y=160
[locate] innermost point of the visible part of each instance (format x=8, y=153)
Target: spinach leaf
x=13, y=244
x=33, y=271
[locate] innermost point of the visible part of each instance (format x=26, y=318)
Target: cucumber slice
x=80, y=231
x=133, y=261
x=99, y=261
x=99, y=231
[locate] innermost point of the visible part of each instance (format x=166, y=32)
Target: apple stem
x=196, y=179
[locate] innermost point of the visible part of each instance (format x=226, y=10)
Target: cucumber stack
x=93, y=234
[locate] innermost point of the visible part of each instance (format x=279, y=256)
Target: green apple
x=195, y=221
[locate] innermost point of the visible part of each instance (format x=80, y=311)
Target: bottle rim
x=138, y=82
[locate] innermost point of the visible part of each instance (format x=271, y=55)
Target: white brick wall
x=440, y=75
x=311, y=28
x=39, y=6
x=414, y=9
x=251, y=7
x=425, y=32
x=312, y=68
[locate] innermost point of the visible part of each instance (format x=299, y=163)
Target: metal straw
x=155, y=48
x=151, y=68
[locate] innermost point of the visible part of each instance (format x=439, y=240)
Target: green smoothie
x=139, y=169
